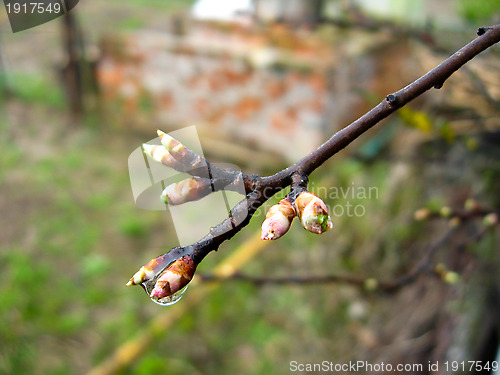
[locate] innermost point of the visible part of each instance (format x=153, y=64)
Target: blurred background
x=265, y=82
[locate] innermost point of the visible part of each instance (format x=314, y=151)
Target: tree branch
x=272, y=184
x=263, y=188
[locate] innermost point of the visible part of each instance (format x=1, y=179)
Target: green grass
x=131, y=23
x=36, y=89
x=167, y=6
x=475, y=12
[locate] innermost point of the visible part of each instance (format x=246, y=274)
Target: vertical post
x=71, y=71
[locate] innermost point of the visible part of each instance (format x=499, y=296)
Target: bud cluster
x=176, y=275
x=472, y=209
x=308, y=207
x=175, y=155
x=171, y=278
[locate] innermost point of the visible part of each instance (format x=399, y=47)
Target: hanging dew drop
x=165, y=301
x=171, y=270
x=170, y=300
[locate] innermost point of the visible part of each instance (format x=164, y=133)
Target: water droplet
x=166, y=301
x=170, y=300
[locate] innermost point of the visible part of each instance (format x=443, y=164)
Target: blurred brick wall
x=265, y=89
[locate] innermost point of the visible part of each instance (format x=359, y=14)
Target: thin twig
x=462, y=214
x=424, y=266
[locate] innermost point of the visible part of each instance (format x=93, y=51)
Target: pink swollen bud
x=313, y=213
x=174, y=278
x=278, y=220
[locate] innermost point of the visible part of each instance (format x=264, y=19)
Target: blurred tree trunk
x=78, y=73
x=316, y=12
x=71, y=71
x=4, y=89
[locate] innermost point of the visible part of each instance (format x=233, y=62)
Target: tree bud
x=278, y=220
x=174, y=278
x=313, y=213
x=179, y=151
x=160, y=154
x=149, y=270
x=190, y=189
x=422, y=214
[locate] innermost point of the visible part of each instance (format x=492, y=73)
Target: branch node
x=482, y=30
x=298, y=185
x=299, y=181
x=392, y=99
x=251, y=182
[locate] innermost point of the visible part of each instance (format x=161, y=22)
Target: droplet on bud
x=313, y=213
x=170, y=300
x=173, y=279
